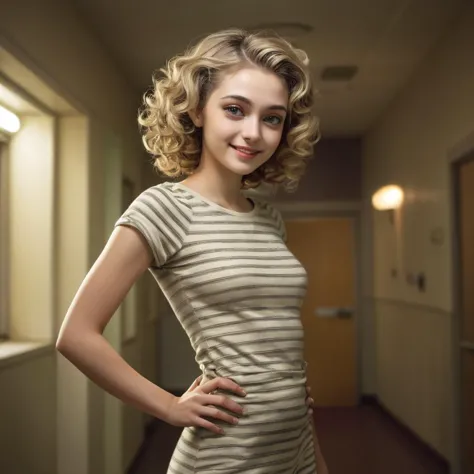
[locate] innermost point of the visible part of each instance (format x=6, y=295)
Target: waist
x=257, y=373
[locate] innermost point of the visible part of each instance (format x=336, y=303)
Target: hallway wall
x=51, y=40
x=27, y=427
x=409, y=146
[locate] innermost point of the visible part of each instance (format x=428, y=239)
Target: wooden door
x=465, y=201
x=326, y=248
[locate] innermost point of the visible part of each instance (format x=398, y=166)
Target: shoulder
x=166, y=200
x=162, y=216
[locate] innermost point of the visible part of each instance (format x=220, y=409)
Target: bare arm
x=125, y=257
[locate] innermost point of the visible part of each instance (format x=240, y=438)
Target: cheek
x=219, y=131
x=273, y=138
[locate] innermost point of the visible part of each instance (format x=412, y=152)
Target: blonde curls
x=184, y=85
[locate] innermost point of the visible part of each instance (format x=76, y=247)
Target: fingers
x=195, y=384
x=213, y=412
x=222, y=383
x=209, y=425
x=224, y=402
x=309, y=402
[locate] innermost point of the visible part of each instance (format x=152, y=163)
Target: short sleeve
x=161, y=219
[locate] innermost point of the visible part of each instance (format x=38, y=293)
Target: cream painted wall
x=74, y=64
x=73, y=404
x=27, y=427
x=409, y=146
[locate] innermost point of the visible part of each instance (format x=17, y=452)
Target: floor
x=361, y=440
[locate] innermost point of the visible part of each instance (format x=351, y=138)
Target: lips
x=245, y=151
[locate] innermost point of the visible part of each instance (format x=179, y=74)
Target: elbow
x=71, y=341
x=65, y=342
x=61, y=344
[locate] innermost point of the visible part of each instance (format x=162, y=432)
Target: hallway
x=395, y=100
x=362, y=440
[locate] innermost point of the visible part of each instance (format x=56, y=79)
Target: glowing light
x=388, y=197
x=9, y=121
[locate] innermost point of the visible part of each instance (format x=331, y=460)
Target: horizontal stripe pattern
x=237, y=291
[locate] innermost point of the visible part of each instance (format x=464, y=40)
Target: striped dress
x=237, y=291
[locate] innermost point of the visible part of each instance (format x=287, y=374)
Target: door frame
x=461, y=153
x=349, y=210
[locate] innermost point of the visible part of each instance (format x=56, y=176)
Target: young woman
x=232, y=112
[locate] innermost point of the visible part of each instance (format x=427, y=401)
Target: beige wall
x=410, y=146
x=93, y=434
x=28, y=414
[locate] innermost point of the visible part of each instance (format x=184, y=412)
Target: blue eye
x=274, y=119
x=233, y=110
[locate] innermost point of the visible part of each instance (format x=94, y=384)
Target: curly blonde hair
x=187, y=80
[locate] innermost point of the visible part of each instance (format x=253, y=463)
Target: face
x=243, y=120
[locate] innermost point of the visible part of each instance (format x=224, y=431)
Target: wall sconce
x=388, y=198
x=9, y=121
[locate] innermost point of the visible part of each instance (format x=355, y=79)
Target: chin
x=243, y=169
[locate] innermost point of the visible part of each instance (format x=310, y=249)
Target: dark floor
x=362, y=440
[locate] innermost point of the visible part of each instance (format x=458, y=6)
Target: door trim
x=461, y=153
x=349, y=210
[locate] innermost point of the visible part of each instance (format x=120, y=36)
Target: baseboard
x=373, y=400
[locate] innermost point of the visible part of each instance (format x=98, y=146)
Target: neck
x=217, y=183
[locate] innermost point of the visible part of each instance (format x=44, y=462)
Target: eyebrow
x=249, y=102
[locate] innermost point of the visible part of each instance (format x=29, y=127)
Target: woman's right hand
x=189, y=409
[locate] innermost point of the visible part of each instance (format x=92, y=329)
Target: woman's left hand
x=309, y=401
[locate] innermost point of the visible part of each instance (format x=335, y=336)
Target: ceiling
x=385, y=39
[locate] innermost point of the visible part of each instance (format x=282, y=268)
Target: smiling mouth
x=246, y=150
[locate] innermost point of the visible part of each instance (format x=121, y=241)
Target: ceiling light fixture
x=9, y=121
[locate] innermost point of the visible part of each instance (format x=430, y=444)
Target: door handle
x=345, y=313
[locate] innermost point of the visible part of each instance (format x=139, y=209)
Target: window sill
x=13, y=352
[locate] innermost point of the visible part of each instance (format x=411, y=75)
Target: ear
x=197, y=118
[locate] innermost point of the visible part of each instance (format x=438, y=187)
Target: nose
x=251, y=129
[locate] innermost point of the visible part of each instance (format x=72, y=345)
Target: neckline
x=218, y=206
